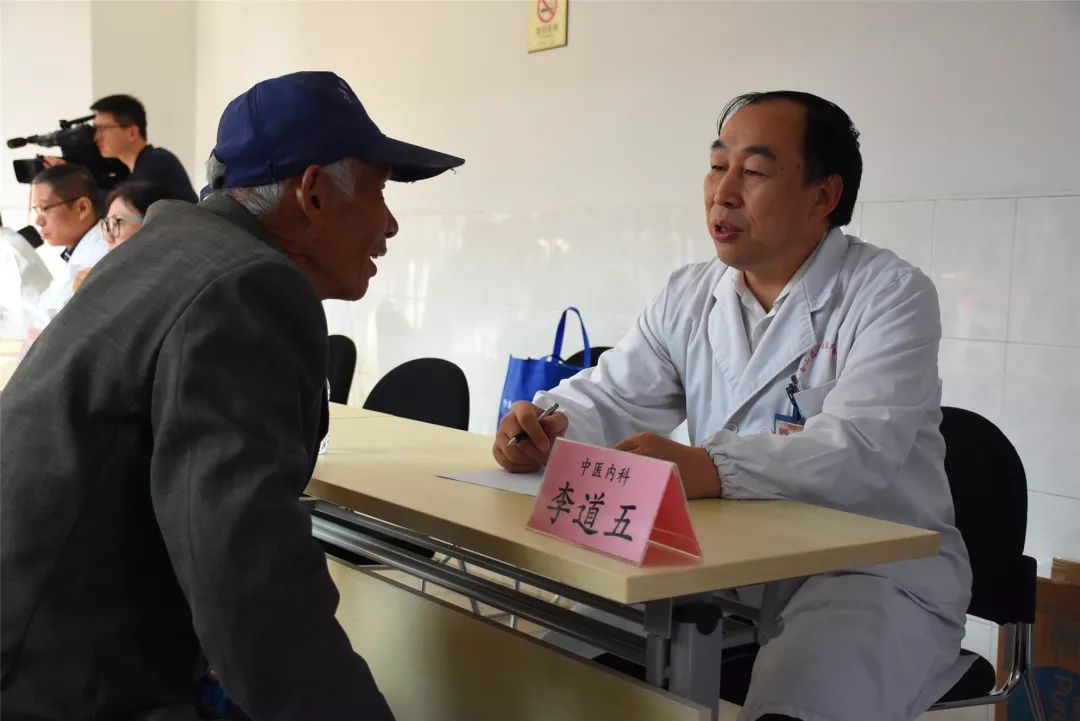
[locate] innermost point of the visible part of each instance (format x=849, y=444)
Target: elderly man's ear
x=308, y=188
x=300, y=218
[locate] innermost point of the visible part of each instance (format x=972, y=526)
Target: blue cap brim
x=409, y=163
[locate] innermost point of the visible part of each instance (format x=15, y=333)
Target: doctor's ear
x=828, y=196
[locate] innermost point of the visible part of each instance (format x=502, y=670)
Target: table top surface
x=386, y=467
x=10, y=347
x=337, y=410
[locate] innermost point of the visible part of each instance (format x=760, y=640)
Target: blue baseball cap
x=280, y=126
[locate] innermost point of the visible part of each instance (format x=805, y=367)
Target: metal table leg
x=696, y=650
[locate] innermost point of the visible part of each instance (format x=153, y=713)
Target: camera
x=75, y=139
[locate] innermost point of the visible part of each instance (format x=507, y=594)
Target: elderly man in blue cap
x=160, y=431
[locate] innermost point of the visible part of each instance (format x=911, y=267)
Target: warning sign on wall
x=547, y=24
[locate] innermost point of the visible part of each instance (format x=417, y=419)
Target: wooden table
x=387, y=469
x=340, y=411
x=435, y=661
x=7, y=368
x=10, y=347
x=9, y=351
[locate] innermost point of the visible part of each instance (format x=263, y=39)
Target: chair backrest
x=989, y=491
x=431, y=390
x=340, y=366
x=578, y=358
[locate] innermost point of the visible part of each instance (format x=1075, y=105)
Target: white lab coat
x=860, y=332
x=89, y=250
x=23, y=278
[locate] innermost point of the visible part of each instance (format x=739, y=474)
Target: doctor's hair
x=262, y=200
x=125, y=109
x=70, y=182
x=830, y=144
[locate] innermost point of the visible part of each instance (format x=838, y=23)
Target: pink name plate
x=614, y=502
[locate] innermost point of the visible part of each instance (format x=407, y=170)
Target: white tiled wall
x=972, y=258
x=1005, y=269
x=905, y=228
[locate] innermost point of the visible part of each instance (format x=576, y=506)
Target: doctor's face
x=760, y=211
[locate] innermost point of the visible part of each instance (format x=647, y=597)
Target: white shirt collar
x=751, y=303
x=89, y=250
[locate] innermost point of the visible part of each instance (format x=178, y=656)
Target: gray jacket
x=153, y=445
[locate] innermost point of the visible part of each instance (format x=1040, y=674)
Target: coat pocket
x=811, y=399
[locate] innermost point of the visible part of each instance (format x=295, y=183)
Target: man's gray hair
x=262, y=200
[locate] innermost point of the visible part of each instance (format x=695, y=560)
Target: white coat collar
x=825, y=269
x=792, y=332
x=817, y=280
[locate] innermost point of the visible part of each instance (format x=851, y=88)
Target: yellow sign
x=547, y=24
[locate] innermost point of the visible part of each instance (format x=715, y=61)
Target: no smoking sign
x=547, y=24
x=545, y=10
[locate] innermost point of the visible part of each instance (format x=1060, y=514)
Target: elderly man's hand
x=696, y=468
x=51, y=161
x=532, y=453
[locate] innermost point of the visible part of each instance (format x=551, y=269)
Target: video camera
x=76, y=141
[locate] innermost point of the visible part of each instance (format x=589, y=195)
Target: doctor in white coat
x=23, y=278
x=805, y=364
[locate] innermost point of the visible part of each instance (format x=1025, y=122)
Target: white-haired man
x=179, y=401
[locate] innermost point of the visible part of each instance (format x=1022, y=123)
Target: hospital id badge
x=786, y=425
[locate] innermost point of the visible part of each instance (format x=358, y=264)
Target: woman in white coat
x=805, y=364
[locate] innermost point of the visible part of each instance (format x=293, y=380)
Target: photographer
x=120, y=132
x=64, y=199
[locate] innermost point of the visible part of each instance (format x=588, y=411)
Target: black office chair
x=340, y=366
x=431, y=390
x=578, y=359
x=989, y=491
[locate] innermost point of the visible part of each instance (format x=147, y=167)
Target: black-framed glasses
x=44, y=209
x=108, y=126
x=110, y=224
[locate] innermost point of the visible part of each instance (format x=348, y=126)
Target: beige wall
x=147, y=49
x=56, y=58
x=38, y=87
x=953, y=99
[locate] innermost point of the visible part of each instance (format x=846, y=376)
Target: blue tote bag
x=525, y=377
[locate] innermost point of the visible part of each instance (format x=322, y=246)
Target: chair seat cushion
x=979, y=680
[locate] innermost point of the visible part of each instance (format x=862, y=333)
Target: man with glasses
x=120, y=132
x=64, y=200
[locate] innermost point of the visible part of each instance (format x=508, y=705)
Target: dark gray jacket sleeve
x=237, y=399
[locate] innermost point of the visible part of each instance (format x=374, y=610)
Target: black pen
x=522, y=435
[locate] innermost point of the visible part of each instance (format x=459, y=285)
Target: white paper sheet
x=524, y=483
